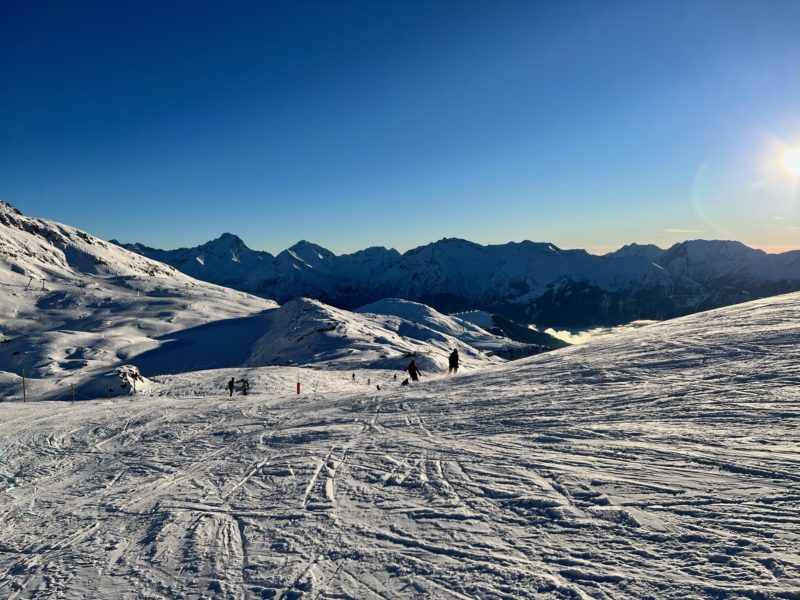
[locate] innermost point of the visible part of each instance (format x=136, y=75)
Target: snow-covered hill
x=659, y=463
x=308, y=332
x=74, y=306
x=463, y=329
x=526, y=282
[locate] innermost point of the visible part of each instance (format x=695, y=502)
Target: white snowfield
x=73, y=307
x=659, y=463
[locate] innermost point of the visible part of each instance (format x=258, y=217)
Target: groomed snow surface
x=658, y=463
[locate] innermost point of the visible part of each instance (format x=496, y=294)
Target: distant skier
x=413, y=370
x=354, y=376
x=230, y=386
x=395, y=376
x=245, y=387
x=453, y=362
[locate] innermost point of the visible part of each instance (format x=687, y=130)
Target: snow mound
x=307, y=331
x=452, y=326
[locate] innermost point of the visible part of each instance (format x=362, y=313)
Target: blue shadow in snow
x=218, y=345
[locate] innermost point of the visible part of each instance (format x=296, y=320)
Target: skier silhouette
x=245, y=387
x=413, y=370
x=453, y=362
x=230, y=386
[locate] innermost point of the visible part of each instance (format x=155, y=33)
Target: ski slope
x=658, y=463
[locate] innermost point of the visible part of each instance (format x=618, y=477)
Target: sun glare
x=791, y=162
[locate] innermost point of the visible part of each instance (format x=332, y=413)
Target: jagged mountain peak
x=306, y=246
x=634, y=250
x=376, y=251
x=716, y=245
x=226, y=240
x=307, y=253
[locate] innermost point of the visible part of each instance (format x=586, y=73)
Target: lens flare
x=791, y=162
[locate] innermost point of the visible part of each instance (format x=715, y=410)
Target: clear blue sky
x=351, y=124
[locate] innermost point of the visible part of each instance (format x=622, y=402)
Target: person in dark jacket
x=414, y=371
x=453, y=362
x=230, y=386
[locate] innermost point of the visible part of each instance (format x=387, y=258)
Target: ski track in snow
x=661, y=463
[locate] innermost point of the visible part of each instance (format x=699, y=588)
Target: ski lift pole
x=24, y=395
x=73, y=392
x=298, y=381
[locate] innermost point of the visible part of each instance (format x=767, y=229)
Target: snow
x=461, y=329
x=75, y=308
x=581, y=337
x=657, y=463
x=481, y=318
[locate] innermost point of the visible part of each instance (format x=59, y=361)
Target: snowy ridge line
x=526, y=282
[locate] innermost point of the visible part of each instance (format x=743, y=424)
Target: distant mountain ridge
x=525, y=281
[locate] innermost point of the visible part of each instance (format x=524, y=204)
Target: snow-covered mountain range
x=527, y=282
x=76, y=308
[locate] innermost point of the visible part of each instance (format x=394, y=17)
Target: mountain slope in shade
x=658, y=463
x=525, y=282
